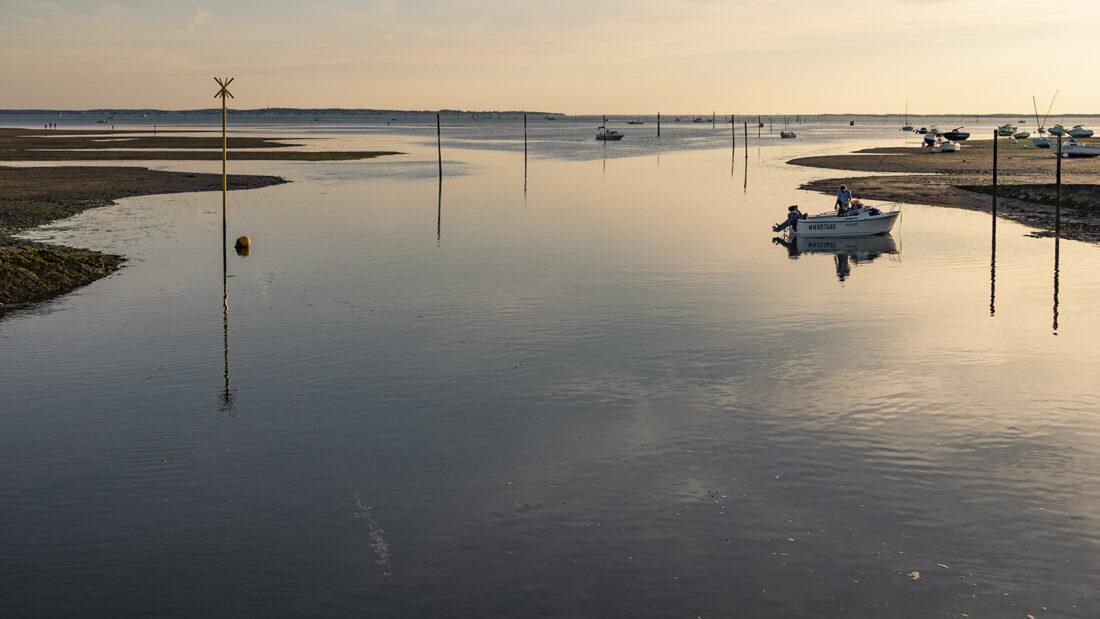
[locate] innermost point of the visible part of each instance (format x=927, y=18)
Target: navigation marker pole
x=223, y=93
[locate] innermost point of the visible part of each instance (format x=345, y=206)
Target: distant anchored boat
x=1058, y=130
x=1079, y=131
x=787, y=135
x=604, y=134
x=1006, y=130
x=958, y=135
x=1073, y=148
x=635, y=122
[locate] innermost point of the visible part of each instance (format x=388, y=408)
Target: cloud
x=201, y=17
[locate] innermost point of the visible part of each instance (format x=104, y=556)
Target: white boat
x=864, y=221
x=1073, y=148
x=607, y=135
x=1057, y=130
x=1079, y=131
x=787, y=135
x=1006, y=130
x=950, y=147
x=1022, y=135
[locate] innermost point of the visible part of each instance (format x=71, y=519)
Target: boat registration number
x=822, y=226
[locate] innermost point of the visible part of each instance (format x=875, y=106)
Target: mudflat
x=1026, y=182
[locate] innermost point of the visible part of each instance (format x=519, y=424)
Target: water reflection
x=845, y=250
x=1057, y=255
x=439, y=213
x=993, y=269
x=225, y=401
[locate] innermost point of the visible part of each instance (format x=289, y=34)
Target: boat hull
x=838, y=226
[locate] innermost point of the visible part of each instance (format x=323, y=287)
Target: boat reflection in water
x=845, y=250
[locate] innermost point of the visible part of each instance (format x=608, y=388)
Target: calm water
x=610, y=395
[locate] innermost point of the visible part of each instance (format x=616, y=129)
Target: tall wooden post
x=1058, y=193
x=994, y=176
x=525, y=152
x=439, y=145
x=658, y=124
x=733, y=134
x=223, y=94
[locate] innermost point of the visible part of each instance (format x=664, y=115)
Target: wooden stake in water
x=1057, y=228
x=733, y=134
x=223, y=94
x=525, y=152
x=993, y=237
x=994, y=177
x=1058, y=193
x=439, y=145
x=658, y=124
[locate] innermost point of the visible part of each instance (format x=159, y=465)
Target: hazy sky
x=573, y=56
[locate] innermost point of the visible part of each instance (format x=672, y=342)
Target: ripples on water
x=612, y=394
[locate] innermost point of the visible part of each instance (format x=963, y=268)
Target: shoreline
x=32, y=272
x=1026, y=189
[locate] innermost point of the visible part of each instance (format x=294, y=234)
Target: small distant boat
x=922, y=130
x=1075, y=149
x=851, y=123
x=864, y=221
x=604, y=134
x=950, y=147
x=550, y=117
x=1079, y=131
x=699, y=119
x=759, y=124
x=1006, y=130
x=907, y=126
x=1043, y=142
x=957, y=135
x=1058, y=130
x=1021, y=135
x=787, y=135
x=635, y=122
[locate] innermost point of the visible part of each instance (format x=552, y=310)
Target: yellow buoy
x=244, y=241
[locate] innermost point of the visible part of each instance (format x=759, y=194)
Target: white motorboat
x=864, y=221
x=1075, y=149
x=1079, y=131
x=950, y=147
x=1021, y=135
x=1057, y=130
x=1006, y=130
x=607, y=135
x=787, y=135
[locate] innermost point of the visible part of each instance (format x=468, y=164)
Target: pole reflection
x=225, y=400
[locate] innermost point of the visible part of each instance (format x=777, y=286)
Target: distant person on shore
x=843, y=197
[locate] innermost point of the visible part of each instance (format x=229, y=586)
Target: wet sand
x=1026, y=182
x=97, y=145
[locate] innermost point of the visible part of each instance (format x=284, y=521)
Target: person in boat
x=793, y=215
x=843, y=197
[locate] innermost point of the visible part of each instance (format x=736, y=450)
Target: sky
x=571, y=56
